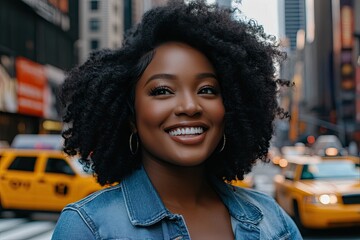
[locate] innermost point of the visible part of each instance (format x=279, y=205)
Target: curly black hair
x=99, y=95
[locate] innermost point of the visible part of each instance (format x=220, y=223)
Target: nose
x=188, y=104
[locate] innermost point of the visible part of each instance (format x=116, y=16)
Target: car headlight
x=325, y=199
x=331, y=151
x=283, y=162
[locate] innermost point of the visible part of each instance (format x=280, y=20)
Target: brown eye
x=160, y=91
x=208, y=90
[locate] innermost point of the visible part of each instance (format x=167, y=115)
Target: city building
x=291, y=19
x=327, y=72
x=102, y=24
x=40, y=40
x=37, y=44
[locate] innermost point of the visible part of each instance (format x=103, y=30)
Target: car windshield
x=331, y=170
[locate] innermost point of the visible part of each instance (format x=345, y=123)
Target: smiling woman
x=179, y=108
x=186, y=103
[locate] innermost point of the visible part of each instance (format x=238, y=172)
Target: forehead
x=176, y=57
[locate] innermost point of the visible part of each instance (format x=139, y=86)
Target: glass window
x=334, y=169
x=58, y=165
x=306, y=174
x=23, y=164
x=94, y=5
x=94, y=25
x=289, y=172
x=94, y=44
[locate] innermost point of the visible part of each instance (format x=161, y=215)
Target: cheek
x=218, y=112
x=149, y=112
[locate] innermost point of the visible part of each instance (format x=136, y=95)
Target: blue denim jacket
x=134, y=210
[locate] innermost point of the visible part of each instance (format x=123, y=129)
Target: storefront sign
x=31, y=87
x=8, y=99
x=53, y=11
x=347, y=26
x=347, y=69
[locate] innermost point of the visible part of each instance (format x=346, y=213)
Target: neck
x=178, y=186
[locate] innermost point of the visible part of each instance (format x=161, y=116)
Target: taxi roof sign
x=36, y=141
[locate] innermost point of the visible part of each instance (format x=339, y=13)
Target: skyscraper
x=292, y=18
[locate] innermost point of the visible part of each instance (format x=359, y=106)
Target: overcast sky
x=265, y=12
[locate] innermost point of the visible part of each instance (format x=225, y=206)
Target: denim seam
x=286, y=232
x=87, y=220
x=130, y=211
x=94, y=195
x=244, y=217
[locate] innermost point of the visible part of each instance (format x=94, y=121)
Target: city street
x=90, y=89
x=40, y=225
x=264, y=174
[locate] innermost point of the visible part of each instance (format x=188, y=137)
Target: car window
x=333, y=170
x=58, y=165
x=23, y=164
x=290, y=171
x=306, y=174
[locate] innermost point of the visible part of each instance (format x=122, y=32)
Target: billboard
x=54, y=11
x=8, y=97
x=347, y=69
x=31, y=87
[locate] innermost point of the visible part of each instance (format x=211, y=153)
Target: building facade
x=36, y=46
x=103, y=23
x=101, y=26
x=325, y=75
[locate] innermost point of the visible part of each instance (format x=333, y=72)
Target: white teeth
x=186, y=131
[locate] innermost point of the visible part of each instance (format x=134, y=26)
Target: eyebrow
x=172, y=77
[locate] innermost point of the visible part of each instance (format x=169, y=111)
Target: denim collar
x=236, y=201
x=143, y=203
x=145, y=207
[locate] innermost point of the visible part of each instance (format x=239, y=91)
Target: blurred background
x=40, y=40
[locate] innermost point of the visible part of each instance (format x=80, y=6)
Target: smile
x=186, y=131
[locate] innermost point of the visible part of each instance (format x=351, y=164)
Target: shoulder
x=253, y=196
x=110, y=195
x=274, y=220
x=261, y=201
x=88, y=214
x=101, y=206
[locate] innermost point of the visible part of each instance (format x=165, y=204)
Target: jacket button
x=178, y=238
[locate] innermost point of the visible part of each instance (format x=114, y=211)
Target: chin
x=189, y=161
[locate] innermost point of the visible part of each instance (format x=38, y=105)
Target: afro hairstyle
x=98, y=96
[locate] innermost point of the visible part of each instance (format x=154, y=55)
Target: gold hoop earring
x=130, y=144
x=223, y=145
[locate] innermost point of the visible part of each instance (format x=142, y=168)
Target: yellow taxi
x=320, y=194
x=247, y=182
x=41, y=180
x=354, y=159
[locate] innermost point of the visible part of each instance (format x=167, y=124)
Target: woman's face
x=179, y=108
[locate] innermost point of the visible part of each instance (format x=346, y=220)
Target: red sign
x=31, y=87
